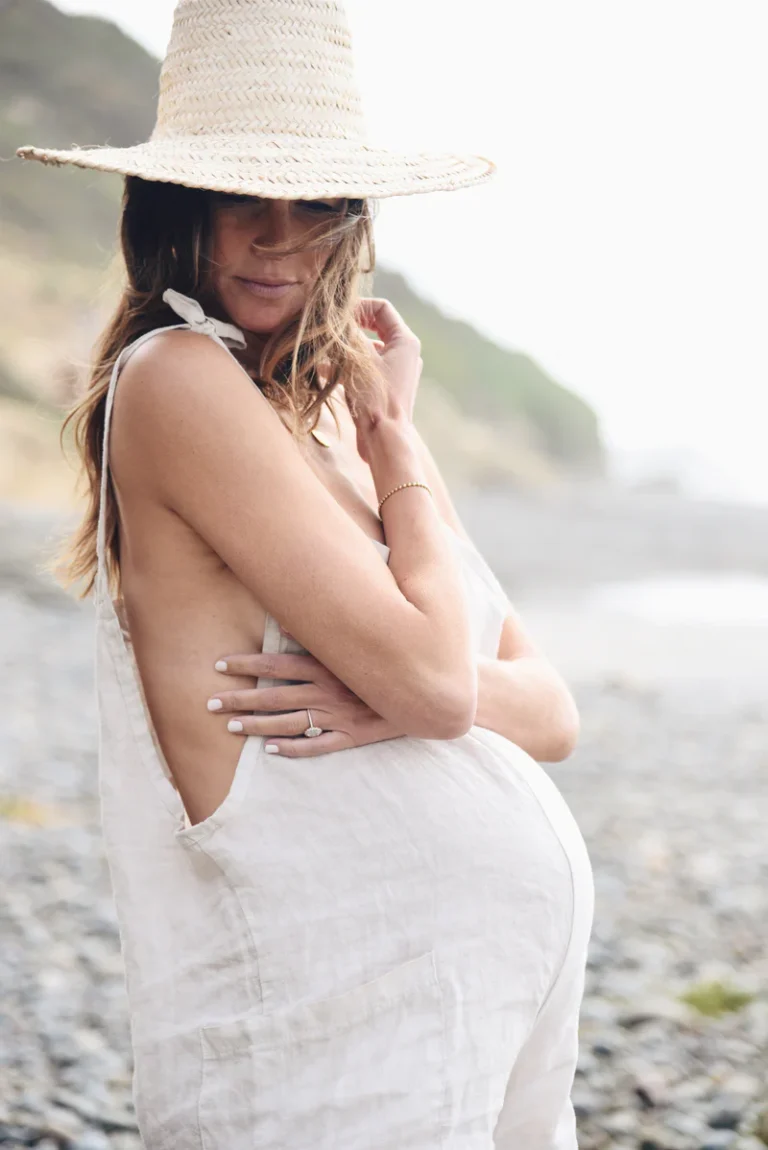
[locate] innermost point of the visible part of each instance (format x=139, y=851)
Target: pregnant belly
x=369, y=853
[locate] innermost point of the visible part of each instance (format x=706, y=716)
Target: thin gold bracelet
x=400, y=488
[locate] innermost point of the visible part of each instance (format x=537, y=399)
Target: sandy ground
x=668, y=784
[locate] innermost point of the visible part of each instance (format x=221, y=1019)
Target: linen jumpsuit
x=382, y=948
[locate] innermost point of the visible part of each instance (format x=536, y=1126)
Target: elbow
x=456, y=718
x=448, y=713
x=565, y=733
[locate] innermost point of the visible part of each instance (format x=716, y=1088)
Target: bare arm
x=211, y=447
x=521, y=695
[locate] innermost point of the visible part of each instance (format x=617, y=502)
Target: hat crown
x=277, y=68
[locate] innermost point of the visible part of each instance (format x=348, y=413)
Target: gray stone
x=725, y=1119
x=92, y=1140
x=718, y=1140
x=619, y=1122
x=62, y=1124
x=693, y=1126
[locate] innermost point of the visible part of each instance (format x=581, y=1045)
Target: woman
x=376, y=936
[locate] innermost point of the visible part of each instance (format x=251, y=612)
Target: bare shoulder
x=184, y=406
x=176, y=365
x=182, y=382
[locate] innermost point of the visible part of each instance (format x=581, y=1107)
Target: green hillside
x=64, y=80
x=488, y=413
x=494, y=384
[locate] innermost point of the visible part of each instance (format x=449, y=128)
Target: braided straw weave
x=259, y=97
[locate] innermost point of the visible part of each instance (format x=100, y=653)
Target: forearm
x=425, y=570
x=527, y=702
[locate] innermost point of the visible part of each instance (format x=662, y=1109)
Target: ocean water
x=668, y=629
x=690, y=599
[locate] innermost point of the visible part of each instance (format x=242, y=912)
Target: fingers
x=381, y=316
x=271, y=725
x=282, y=665
x=309, y=748
x=290, y=698
x=285, y=733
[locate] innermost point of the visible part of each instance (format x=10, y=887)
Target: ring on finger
x=312, y=731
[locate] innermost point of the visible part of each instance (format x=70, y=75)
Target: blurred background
x=592, y=326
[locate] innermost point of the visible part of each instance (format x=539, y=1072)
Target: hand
x=399, y=361
x=346, y=720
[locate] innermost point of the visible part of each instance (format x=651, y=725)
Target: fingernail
x=272, y=748
x=214, y=704
x=220, y=665
x=234, y=725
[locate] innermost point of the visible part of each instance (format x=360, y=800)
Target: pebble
x=718, y=1140
x=92, y=1140
x=725, y=1119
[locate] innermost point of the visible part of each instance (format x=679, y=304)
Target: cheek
x=313, y=263
x=227, y=243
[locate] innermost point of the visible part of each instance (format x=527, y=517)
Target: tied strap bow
x=192, y=313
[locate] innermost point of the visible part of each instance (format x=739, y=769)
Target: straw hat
x=259, y=97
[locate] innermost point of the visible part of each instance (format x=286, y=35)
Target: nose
x=276, y=224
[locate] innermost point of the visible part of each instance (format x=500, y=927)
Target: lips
x=266, y=281
x=267, y=289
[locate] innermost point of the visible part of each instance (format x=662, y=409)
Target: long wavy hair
x=165, y=240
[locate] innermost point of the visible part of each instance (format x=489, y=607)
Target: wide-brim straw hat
x=258, y=97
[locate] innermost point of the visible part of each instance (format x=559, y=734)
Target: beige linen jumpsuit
x=382, y=948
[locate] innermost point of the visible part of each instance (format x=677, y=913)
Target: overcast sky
x=624, y=241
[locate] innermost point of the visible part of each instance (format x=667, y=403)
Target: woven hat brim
x=279, y=168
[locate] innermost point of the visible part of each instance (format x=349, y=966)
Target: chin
x=260, y=316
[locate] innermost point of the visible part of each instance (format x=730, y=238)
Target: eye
x=313, y=207
x=318, y=206
x=231, y=199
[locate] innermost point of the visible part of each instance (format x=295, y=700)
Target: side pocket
x=364, y=1069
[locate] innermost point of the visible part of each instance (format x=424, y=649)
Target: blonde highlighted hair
x=165, y=236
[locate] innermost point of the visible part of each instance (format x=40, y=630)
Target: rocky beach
x=668, y=784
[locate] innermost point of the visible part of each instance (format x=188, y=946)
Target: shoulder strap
x=195, y=320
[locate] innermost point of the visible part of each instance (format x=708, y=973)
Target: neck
x=255, y=343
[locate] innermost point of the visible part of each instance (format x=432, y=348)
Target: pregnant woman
x=354, y=910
